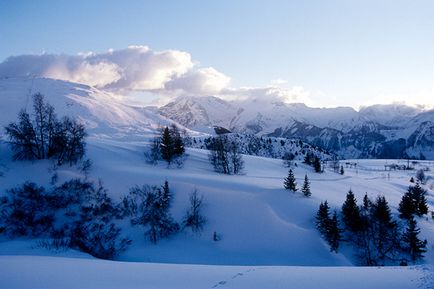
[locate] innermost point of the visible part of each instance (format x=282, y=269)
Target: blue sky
x=339, y=52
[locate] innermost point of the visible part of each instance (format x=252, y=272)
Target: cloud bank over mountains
x=167, y=73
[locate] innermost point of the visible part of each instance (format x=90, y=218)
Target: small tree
x=166, y=145
x=225, y=156
x=334, y=233
x=323, y=218
x=149, y=206
x=420, y=176
x=413, y=202
x=306, y=187
x=317, y=164
x=289, y=182
x=194, y=218
x=351, y=213
x=413, y=245
x=385, y=235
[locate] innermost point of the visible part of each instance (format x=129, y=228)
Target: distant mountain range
x=378, y=131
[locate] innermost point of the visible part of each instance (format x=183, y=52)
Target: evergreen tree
x=351, y=213
x=166, y=196
x=366, y=203
x=317, y=164
x=323, y=218
x=156, y=215
x=418, y=195
x=383, y=228
x=178, y=143
x=306, y=187
x=289, y=182
x=166, y=145
x=406, y=206
x=413, y=202
x=413, y=245
x=334, y=233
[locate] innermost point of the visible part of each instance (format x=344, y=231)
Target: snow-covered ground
x=54, y=272
x=268, y=235
x=260, y=223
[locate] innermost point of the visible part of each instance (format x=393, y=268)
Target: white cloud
x=136, y=68
x=203, y=81
x=144, y=75
x=269, y=93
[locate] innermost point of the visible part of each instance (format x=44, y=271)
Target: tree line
x=370, y=228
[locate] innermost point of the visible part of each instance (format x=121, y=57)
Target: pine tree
x=384, y=228
x=178, y=143
x=418, y=195
x=413, y=245
x=366, y=203
x=306, y=187
x=317, y=164
x=406, y=206
x=323, y=218
x=334, y=233
x=166, y=196
x=289, y=182
x=413, y=202
x=166, y=145
x=351, y=213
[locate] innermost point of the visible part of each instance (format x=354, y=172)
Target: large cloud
x=142, y=73
x=136, y=68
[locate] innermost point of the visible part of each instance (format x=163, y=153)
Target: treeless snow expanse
x=39, y=272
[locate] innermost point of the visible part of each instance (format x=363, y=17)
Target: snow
x=268, y=235
x=67, y=273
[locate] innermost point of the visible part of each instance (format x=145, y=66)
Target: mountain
x=103, y=113
x=378, y=131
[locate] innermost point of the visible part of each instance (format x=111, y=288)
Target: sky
x=324, y=53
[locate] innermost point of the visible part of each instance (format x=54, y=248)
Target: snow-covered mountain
x=102, y=112
x=379, y=131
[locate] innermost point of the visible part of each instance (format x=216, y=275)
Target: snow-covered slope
x=101, y=112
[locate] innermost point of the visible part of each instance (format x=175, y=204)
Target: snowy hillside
x=259, y=222
x=103, y=113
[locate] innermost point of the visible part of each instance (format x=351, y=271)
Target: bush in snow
x=149, y=207
x=193, y=217
x=420, y=176
x=25, y=211
x=76, y=214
